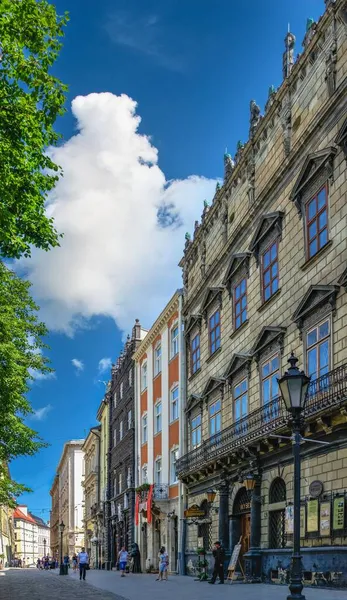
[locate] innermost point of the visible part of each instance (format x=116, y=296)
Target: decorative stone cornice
x=267, y=223
x=267, y=336
x=191, y=322
x=342, y=281
x=210, y=295
x=238, y=362
x=315, y=162
x=235, y=263
x=341, y=139
x=213, y=384
x=315, y=297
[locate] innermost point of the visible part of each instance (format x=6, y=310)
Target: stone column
x=253, y=556
x=223, y=525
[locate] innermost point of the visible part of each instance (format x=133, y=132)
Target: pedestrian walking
x=163, y=564
x=123, y=557
x=74, y=563
x=83, y=562
x=219, y=558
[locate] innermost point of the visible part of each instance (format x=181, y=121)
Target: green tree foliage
x=31, y=98
x=21, y=356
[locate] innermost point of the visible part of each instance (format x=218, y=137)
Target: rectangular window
x=240, y=303
x=129, y=419
x=144, y=474
x=196, y=431
x=157, y=360
x=317, y=350
x=121, y=390
x=158, y=471
x=173, y=461
x=270, y=271
x=143, y=376
x=114, y=487
x=114, y=437
x=317, y=222
x=174, y=341
x=174, y=404
x=115, y=400
x=130, y=378
x=214, y=331
x=121, y=430
x=195, y=353
x=120, y=483
x=269, y=385
x=240, y=400
x=129, y=477
x=144, y=429
x=215, y=414
x=157, y=417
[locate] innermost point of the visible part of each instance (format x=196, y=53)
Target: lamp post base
x=63, y=570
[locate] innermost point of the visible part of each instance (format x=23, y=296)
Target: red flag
x=137, y=501
x=149, y=505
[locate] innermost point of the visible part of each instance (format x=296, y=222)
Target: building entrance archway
x=242, y=519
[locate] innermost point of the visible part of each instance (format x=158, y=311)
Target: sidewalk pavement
x=146, y=587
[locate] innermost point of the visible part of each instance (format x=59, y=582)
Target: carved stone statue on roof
x=330, y=68
x=288, y=55
x=270, y=98
x=239, y=150
x=254, y=117
x=311, y=27
x=228, y=165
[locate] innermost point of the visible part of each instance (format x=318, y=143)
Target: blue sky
x=192, y=67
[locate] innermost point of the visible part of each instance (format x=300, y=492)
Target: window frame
x=156, y=415
x=268, y=269
x=239, y=301
x=194, y=357
x=157, y=359
x=269, y=359
x=121, y=432
x=173, y=473
x=115, y=486
x=144, y=468
x=130, y=378
x=174, y=340
x=174, y=401
x=240, y=398
x=212, y=417
x=317, y=344
x=144, y=375
x=158, y=460
x=115, y=400
x=195, y=429
x=115, y=437
x=120, y=483
x=212, y=330
x=121, y=391
x=308, y=222
x=144, y=428
x=130, y=419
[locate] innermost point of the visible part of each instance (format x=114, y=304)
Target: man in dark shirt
x=219, y=557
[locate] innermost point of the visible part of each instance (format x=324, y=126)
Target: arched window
x=242, y=502
x=277, y=493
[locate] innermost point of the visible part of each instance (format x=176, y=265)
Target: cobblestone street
x=25, y=584
x=31, y=584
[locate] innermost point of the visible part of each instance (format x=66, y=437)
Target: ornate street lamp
x=44, y=547
x=61, y=531
x=249, y=482
x=211, y=496
x=293, y=386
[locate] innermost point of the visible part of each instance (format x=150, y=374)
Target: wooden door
x=246, y=533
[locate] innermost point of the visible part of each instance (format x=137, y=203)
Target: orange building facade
x=159, y=366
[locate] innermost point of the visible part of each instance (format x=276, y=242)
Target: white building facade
x=26, y=534
x=70, y=472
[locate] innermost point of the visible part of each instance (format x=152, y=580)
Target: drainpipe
x=182, y=440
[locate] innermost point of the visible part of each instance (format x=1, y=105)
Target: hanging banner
x=149, y=505
x=137, y=502
x=339, y=513
x=312, y=516
x=289, y=519
x=302, y=521
x=325, y=516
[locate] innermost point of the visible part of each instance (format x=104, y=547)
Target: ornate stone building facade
x=266, y=274
x=121, y=470
x=54, y=518
x=91, y=497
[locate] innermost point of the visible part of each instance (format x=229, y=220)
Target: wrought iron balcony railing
x=161, y=491
x=325, y=392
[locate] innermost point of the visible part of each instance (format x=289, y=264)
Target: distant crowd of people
x=47, y=562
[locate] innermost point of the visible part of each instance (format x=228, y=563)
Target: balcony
x=323, y=395
x=161, y=491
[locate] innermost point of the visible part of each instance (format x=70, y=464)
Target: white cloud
x=78, y=364
x=115, y=258
x=105, y=364
x=41, y=413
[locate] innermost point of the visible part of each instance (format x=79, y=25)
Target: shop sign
x=325, y=515
x=289, y=519
x=302, y=521
x=339, y=513
x=312, y=516
x=316, y=489
x=194, y=512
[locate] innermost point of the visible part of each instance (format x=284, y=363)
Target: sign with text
x=302, y=521
x=289, y=519
x=194, y=512
x=312, y=516
x=339, y=513
x=325, y=515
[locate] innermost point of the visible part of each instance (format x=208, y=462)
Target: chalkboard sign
x=234, y=557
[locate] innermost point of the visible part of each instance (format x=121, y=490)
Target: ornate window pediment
x=268, y=336
x=342, y=281
x=238, y=362
x=315, y=163
x=191, y=322
x=269, y=223
x=193, y=401
x=237, y=261
x=211, y=294
x=213, y=384
x=316, y=297
x=341, y=139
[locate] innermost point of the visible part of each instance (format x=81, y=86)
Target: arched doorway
x=277, y=495
x=242, y=512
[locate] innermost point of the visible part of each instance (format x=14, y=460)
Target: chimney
x=137, y=330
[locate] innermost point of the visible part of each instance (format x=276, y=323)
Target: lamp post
x=293, y=386
x=61, y=531
x=44, y=547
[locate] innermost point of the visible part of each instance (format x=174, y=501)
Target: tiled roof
x=18, y=514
